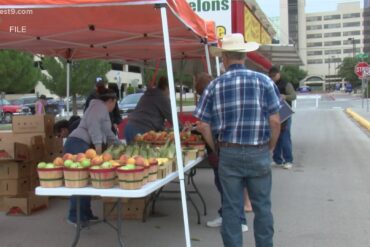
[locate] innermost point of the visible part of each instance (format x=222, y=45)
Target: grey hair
x=234, y=55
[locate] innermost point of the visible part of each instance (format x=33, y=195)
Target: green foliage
x=17, y=72
x=130, y=90
x=346, y=70
x=293, y=74
x=83, y=75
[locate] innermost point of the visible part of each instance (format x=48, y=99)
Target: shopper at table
x=115, y=115
x=153, y=109
x=94, y=131
x=243, y=107
x=283, y=154
x=202, y=81
x=63, y=128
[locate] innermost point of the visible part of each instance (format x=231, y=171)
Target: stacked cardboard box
x=30, y=142
x=132, y=208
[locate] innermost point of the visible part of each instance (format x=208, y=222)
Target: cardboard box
x=13, y=187
x=2, y=204
x=33, y=124
x=16, y=146
x=25, y=205
x=53, y=144
x=34, y=182
x=132, y=209
x=13, y=170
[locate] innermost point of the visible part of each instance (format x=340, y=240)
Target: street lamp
x=354, y=45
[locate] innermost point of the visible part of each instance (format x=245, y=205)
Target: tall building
x=292, y=25
x=332, y=36
x=366, y=17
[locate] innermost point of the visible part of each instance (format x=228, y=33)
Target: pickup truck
x=9, y=110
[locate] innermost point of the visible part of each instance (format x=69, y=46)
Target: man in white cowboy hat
x=242, y=106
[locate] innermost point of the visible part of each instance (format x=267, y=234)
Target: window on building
x=332, y=43
x=314, y=53
x=117, y=66
x=336, y=34
x=346, y=51
x=313, y=18
x=350, y=42
x=331, y=17
x=330, y=26
x=331, y=52
x=134, y=69
x=333, y=60
x=351, y=33
x=351, y=15
x=352, y=24
x=314, y=36
x=314, y=27
x=314, y=61
x=314, y=44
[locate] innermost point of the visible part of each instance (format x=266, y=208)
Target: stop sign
x=359, y=69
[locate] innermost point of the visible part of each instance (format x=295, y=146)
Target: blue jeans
x=75, y=145
x=219, y=188
x=283, y=150
x=248, y=167
x=131, y=131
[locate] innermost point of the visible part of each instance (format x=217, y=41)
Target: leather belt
x=237, y=145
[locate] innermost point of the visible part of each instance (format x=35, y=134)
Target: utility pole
x=353, y=46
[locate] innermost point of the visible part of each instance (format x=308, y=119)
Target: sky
x=271, y=7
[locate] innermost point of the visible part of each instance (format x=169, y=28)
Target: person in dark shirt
x=151, y=112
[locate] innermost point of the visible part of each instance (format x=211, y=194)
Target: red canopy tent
x=130, y=30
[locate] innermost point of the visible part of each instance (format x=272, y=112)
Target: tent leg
x=68, y=83
x=218, y=66
x=208, y=59
x=175, y=122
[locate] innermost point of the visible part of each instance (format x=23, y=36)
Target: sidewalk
x=362, y=111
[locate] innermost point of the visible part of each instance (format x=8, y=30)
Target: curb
x=362, y=121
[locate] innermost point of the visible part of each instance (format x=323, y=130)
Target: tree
x=17, y=72
x=293, y=74
x=83, y=76
x=346, y=70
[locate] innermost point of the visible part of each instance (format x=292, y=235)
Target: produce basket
x=189, y=155
x=131, y=179
x=76, y=178
x=153, y=171
x=51, y=177
x=103, y=178
x=145, y=174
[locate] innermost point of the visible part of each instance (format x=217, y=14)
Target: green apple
x=130, y=167
x=106, y=165
x=85, y=163
x=73, y=165
x=49, y=166
x=41, y=165
x=68, y=163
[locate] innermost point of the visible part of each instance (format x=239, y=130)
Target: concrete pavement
x=322, y=202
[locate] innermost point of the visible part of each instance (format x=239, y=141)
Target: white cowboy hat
x=234, y=42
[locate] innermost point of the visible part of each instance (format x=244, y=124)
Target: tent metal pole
x=68, y=84
x=175, y=122
x=208, y=59
x=218, y=66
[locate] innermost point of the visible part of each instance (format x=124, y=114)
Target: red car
x=10, y=110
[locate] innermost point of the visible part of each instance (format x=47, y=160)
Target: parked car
x=304, y=89
x=348, y=88
x=128, y=103
x=53, y=106
x=9, y=110
x=80, y=101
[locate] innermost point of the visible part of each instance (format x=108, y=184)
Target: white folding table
x=112, y=192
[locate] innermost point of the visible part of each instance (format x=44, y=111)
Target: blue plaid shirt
x=238, y=104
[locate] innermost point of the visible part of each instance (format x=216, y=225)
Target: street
x=323, y=201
